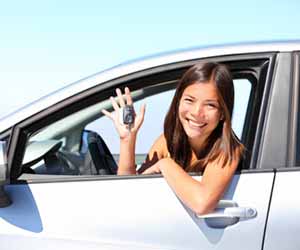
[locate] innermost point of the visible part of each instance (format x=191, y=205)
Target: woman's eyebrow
x=212, y=100
x=188, y=95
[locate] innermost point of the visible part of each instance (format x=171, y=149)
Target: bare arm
x=127, y=156
x=201, y=196
x=127, y=138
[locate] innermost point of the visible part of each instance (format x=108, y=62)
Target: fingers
x=128, y=96
x=120, y=102
x=120, y=98
x=108, y=114
x=147, y=171
x=142, y=110
x=152, y=170
x=114, y=103
x=140, y=117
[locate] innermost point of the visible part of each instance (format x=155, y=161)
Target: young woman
x=197, y=137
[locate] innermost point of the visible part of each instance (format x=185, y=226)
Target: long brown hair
x=222, y=142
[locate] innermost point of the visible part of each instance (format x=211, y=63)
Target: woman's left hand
x=123, y=129
x=157, y=167
x=153, y=169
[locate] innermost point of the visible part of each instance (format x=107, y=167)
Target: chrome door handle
x=227, y=213
x=239, y=212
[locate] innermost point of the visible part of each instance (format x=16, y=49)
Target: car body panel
x=277, y=115
x=105, y=212
x=283, y=223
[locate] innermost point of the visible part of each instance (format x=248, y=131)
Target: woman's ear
x=222, y=117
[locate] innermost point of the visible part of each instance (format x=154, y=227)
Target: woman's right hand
x=124, y=130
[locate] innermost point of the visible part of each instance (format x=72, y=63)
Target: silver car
x=59, y=190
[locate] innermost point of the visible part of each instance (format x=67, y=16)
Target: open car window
x=70, y=146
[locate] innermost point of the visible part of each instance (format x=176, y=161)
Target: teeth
x=196, y=124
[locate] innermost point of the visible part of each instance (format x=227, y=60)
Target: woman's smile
x=194, y=128
x=195, y=124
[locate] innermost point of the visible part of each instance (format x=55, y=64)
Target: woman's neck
x=197, y=145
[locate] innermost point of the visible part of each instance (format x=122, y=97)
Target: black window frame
x=294, y=153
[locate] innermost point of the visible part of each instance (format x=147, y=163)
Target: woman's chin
x=193, y=134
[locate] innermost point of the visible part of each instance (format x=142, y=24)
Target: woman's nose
x=198, y=111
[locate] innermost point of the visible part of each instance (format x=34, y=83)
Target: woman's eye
x=212, y=105
x=188, y=100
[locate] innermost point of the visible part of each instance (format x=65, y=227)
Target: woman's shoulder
x=160, y=146
x=161, y=139
x=158, y=151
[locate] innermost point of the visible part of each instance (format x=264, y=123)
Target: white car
x=58, y=188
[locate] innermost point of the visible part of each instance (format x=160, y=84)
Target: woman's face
x=199, y=110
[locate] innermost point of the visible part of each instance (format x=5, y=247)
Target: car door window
x=61, y=148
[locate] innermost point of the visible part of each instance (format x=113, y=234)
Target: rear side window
x=242, y=89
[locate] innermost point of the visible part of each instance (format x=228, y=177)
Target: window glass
x=242, y=89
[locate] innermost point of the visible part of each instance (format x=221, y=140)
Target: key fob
x=128, y=115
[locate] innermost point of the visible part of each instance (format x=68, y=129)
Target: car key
x=128, y=116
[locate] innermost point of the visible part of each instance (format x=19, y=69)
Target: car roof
x=139, y=65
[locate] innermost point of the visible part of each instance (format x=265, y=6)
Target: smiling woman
x=197, y=136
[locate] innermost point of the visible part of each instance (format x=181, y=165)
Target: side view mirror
x=4, y=199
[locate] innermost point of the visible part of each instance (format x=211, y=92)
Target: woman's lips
x=195, y=124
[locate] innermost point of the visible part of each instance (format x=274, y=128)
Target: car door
x=282, y=231
x=141, y=212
